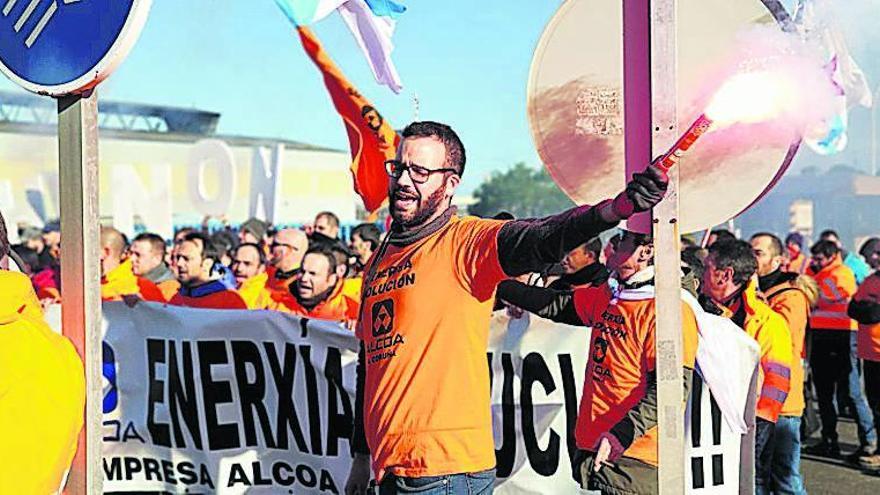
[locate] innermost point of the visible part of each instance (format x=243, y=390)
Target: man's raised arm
x=529, y=245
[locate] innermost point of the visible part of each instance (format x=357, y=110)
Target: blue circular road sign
x=60, y=47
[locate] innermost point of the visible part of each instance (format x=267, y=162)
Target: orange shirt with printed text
x=622, y=353
x=424, y=323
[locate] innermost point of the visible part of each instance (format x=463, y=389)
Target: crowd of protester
x=814, y=310
x=813, y=313
x=312, y=272
x=826, y=296
x=308, y=271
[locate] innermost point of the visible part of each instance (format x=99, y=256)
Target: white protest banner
x=225, y=401
x=262, y=402
x=537, y=380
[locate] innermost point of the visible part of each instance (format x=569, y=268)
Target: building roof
x=31, y=114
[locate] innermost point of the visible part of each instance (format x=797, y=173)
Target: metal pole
x=667, y=257
x=650, y=71
x=80, y=271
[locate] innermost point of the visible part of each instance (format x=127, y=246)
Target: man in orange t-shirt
x=427, y=299
x=194, y=257
x=616, y=428
x=318, y=291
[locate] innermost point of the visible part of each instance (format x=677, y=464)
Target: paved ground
x=826, y=476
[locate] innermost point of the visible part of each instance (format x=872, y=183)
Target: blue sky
x=468, y=62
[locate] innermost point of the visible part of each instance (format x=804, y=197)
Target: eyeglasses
x=419, y=174
x=279, y=244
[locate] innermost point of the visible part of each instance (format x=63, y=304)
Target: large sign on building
x=160, y=180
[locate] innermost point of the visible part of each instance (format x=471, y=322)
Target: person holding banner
x=194, y=258
x=422, y=414
x=42, y=390
x=616, y=428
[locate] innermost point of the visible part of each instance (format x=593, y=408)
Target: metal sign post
x=667, y=257
x=650, y=72
x=65, y=48
x=80, y=270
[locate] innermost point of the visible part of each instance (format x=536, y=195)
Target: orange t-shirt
x=425, y=326
x=622, y=353
x=869, y=335
x=209, y=296
x=336, y=307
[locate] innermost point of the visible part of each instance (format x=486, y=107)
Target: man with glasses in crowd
x=424, y=323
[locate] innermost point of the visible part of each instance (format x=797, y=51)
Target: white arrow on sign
x=26, y=14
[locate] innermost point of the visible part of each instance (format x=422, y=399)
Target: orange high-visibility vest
x=837, y=284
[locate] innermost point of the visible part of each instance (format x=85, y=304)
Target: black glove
x=647, y=188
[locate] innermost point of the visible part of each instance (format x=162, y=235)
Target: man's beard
x=425, y=209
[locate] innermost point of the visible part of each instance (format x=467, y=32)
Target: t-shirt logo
x=383, y=317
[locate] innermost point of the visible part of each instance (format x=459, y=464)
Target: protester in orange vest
x=797, y=261
x=117, y=278
x=249, y=270
x=287, y=251
x=42, y=390
x=834, y=358
x=147, y=255
x=865, y=309
x=787, y=295
x=728, y=286
x=858, y=266
x=317, y=293
x=616, y=428
x=426, y=305
x=194, y=258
